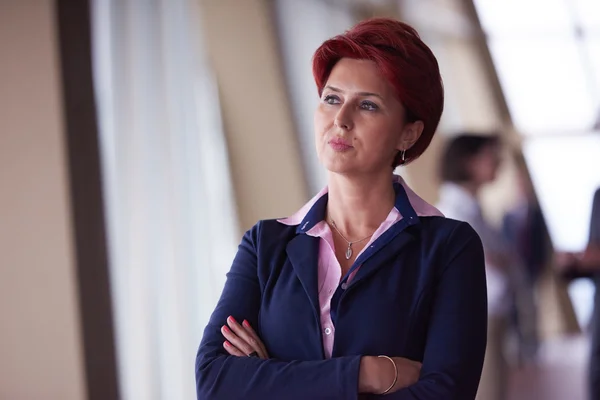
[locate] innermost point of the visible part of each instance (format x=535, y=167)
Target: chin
x=337, y=165
x=351, y=168
x=338, y=168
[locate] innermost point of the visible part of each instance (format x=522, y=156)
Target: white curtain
x=169, y=202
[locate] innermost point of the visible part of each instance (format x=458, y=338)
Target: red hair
x=404, y=61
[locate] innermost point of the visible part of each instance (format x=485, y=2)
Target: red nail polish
x=227, y=344
x=225, y=328
x=231, y=319
x=246, y=323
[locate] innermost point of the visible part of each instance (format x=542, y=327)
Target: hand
x=566, y=261
x=590, y=259
x=242, y=340
x=377, y=374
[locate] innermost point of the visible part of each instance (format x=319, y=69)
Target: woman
x=468, y=163
x=366, y=261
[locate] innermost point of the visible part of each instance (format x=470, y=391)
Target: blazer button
x=344, y=286
x=328, y=331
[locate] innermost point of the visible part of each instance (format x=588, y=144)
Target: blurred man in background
x=587, y=264
x=524, y=229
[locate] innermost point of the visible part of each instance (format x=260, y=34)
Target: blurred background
x=139, y=139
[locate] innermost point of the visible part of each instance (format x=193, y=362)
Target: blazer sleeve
x=594, y=238
x=457, y=334
x=221, y=376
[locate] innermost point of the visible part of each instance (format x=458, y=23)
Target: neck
x=359, y=205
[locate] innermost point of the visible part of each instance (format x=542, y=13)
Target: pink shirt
x=330, y=271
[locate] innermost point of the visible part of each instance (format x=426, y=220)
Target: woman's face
x=359, y=123
x=485, y=164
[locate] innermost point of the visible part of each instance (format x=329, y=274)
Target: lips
x=339, y=144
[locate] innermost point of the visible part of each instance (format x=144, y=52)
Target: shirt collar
x=408, y=203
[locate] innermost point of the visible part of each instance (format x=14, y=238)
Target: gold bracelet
x=395, y=373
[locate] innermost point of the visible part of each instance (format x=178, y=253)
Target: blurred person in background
x=587, y=264
x=525, y=230
x=367, y=289
x=469, y=162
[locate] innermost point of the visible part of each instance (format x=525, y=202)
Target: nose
x=343, y=118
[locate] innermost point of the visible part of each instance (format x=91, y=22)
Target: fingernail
x=246, y=323
x=227, y=344
x=231, y=319
x=225, y=328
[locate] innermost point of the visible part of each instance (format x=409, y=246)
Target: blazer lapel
x=303, y=252
x=382, y=255
x=393, y=240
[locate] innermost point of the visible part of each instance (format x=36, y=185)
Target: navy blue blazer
x=420, y=293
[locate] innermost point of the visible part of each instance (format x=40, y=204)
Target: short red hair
x=402, y=58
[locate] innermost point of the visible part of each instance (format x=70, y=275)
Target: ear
x=410, y=134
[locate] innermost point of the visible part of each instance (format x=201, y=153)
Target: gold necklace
x=349, y=249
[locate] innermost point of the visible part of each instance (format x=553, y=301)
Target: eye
x=369, y=106
x=331, y=99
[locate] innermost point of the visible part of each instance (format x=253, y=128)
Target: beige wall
x=40, y=351
x=263, y=150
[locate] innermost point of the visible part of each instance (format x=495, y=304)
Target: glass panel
x=582, y=292
x=565, y=172
x=588, y=12
x=546, y=84
x=592, y=47
x=510, y=17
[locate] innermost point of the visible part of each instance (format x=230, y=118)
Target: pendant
x=349, y=251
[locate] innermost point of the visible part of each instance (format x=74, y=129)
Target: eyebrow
x=334, y=89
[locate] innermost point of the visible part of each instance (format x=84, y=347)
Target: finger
x=263, y=353
x=247, y=333
x=235, y=340
x=231, y=349
x=238, y=329
x=244, y=335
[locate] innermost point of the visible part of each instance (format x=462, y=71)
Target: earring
x=403, y=156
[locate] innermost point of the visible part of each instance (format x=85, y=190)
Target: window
x=566, y=172
x=547, y=55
